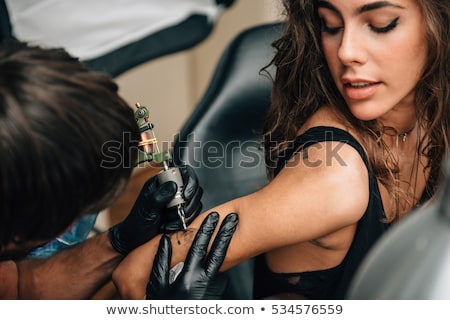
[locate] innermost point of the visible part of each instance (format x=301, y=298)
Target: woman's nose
x=351, y=49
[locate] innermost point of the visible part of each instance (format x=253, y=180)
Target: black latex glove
x=199, y=278
x=149, y=215
x=144, y=220
x=192, y=193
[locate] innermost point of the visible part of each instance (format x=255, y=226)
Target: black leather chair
x=412, y=260
x=5, y=24
x=221, y=139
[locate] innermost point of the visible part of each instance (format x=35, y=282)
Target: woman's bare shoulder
x=326, y=116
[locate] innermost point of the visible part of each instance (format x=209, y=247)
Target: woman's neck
x=399, y=127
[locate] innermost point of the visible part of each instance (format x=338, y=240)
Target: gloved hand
x=149, y=215
x=199, y=278
x=192, y=194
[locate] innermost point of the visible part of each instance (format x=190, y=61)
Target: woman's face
x=376, y=51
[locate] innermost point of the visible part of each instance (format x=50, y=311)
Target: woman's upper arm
x=318, y=192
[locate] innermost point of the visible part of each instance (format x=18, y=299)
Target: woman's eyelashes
x=334, y=30
x=386, y=28
x=328, y=29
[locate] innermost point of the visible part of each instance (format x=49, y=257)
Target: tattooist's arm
x=78, y=272
x=75, y=273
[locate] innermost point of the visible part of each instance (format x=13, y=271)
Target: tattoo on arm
x=184, y=237
x=181, y=243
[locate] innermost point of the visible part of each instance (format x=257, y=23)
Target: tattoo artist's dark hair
x=68, y=142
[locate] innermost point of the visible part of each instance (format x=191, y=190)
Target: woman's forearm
x=132, y=275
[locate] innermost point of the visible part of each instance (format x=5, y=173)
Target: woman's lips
x=360, y=90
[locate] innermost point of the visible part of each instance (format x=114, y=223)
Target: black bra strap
x=319, y=134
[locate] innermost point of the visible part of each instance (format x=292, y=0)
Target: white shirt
x=89, y=29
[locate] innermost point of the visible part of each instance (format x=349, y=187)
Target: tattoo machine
x=149, y=151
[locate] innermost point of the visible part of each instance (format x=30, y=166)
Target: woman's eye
x=328, y=29
x=386, y=28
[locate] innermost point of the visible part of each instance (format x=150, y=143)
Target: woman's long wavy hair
x=303, y=84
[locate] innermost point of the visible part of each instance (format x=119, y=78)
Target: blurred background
x=173, y=84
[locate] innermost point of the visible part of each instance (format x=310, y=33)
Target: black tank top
x=329, y=283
